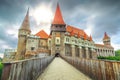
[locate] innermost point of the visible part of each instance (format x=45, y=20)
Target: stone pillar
x=87, y=52
x=73, y=50
x=94, y=54
x=80, y=52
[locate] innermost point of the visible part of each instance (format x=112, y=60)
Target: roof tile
x=42, y=34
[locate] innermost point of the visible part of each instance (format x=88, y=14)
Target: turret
x=106, y=39
x=58, y=23
x=22, y=36
x=91, y=38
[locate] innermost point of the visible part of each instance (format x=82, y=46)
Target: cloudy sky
x=93, y=16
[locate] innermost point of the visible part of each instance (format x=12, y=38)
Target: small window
x=57, y=40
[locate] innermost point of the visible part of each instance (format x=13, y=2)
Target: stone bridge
x=61, y=68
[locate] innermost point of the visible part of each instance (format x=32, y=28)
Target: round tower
x=22, y=37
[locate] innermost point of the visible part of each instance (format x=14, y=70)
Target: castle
x=64, y=39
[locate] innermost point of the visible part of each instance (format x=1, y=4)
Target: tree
x=117, y=53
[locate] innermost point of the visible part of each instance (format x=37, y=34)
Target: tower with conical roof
x=106, y=39
x=58, y=27
x=58, y=23
x=22, y=37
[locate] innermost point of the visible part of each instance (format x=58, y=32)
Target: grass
x=1, y=67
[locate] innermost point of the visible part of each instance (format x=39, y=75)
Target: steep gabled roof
x=26, y=24
x=75, y=31
x=42, y=34
x=58, y=19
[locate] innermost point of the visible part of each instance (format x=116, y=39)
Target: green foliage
x=1, y=67
x=117, y=53
x=110, y=58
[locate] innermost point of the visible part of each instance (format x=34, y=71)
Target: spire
x=106, y=36
x=85, y=36
x=72, y=33
x=91, y=38
x=25, y=24
x=78, y=35
x=58, y=19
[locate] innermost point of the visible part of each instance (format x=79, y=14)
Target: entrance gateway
x=57, y=55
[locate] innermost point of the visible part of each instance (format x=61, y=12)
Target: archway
x=57, y=55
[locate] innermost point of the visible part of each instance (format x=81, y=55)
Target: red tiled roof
x=85, y=36
x=58, y=19
x=42, y=34
x=105, y=46
x=75, y=31
x=106, y=36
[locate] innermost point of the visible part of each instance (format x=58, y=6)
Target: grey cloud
x=75, y=13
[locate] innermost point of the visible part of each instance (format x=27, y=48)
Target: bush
x=110, y=58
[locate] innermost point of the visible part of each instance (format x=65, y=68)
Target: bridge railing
x=28, y=69
x=96, y=69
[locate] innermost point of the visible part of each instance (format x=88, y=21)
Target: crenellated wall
x=96, y=69
x=28, y=69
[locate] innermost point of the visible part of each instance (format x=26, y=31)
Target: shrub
x=110, y=58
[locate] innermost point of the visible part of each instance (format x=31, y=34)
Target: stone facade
x=63, y=39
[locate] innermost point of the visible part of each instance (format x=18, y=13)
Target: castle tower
x=106, y=39
x=58, y=28
x=22, y=36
